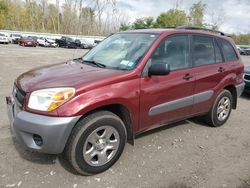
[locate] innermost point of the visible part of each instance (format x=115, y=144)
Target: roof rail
x=200, y=28
x=168, y=27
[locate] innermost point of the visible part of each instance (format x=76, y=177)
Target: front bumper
x=25, y=126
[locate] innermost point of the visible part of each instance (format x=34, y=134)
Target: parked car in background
x=247, y=79
x=134, y=81
x=83, y=44
x=46, y=42
x=243, y=49
x=79, y=43
x=97, y=41
x=27, y=41
x=15, y=38
x=33, y=38
x=87, y=43
x=8, y=37
x=66, y=42
x=3, y=39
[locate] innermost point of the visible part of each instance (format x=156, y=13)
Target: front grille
x=247, y=77
x=19, y=95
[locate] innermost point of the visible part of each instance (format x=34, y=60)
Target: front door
x=169, y=97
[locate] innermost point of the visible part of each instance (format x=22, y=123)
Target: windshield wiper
x=94, y=63
x=90, y=62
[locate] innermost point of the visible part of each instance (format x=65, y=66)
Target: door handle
x=221, y=69
x=187, y=76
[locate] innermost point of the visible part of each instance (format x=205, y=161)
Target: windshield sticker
x=130, y=64
x=127, y=63
x=124, y=62
x=152, y=36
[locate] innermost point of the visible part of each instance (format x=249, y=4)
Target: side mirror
x=159, y=69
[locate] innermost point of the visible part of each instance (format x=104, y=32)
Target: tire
x=90, y=136
x=221, y=109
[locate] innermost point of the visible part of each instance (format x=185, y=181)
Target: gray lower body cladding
x=181, y=103
x=188, y=101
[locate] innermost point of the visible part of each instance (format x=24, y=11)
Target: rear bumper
x=54, y=131
x=15, y=41
x=247, y=86
x=4, y=41
x=240, y=89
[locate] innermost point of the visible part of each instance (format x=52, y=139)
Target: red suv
x=88, y=108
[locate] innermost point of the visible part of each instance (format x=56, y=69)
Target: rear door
x=169, y=97
x=209, y=68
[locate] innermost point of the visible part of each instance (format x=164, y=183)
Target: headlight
x=50, y=99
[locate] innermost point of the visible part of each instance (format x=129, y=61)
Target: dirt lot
x=186, y=154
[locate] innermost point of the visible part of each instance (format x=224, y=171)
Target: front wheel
x=96, y=143
x=221, y=109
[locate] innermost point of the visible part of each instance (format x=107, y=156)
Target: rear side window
x=203, y=51
x=228, y=51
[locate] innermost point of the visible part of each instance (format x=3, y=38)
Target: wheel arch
x=122, y=112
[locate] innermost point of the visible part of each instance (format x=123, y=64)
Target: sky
x=234, y=15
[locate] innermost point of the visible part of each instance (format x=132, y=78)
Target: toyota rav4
x=133, y=81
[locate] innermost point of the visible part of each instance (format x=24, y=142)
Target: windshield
x=32, y=37
x=67, y=39
x=121, y=51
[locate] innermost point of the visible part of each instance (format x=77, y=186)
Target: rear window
x=228, y=51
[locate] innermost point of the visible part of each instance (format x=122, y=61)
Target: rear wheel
x=96, y=143
x=221, y=109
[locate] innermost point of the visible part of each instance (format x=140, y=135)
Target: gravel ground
x=187, y=154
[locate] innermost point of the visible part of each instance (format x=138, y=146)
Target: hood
x=69, y=74
x=247, y=70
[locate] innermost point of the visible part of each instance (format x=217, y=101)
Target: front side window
x=203, y=51
x=173, y=51
x=122, y=51
x=228, y=51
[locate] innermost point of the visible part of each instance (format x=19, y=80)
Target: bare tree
x=217, y=17
x=58, y=15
